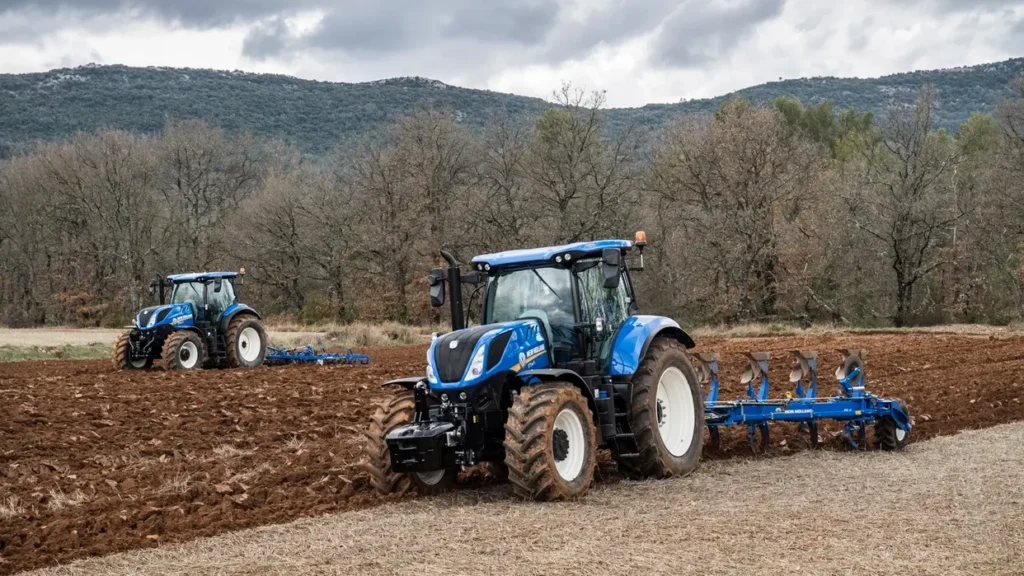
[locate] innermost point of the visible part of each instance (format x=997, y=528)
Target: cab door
x=608, y=307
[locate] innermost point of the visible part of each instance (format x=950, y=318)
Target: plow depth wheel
x=183, y=350
x=550, y=443
x=889, y=436
x=247, y=342
x=666, y=414
x=122, y=355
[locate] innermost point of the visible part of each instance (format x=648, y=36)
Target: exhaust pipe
x=455, y=290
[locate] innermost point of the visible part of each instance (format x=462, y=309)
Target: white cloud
x=709, y=47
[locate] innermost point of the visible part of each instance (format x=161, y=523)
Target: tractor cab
x=581, y=294
x=208, y=294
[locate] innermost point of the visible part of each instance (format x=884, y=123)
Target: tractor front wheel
x=183, y=350
x=666, y=414
x=398, y=410
x=247, y=342
x=550, y=443
x=122, y=356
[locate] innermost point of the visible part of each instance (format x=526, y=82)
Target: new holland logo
x=454, y=344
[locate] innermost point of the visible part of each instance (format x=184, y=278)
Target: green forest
x=317, y=116
x=859, y=211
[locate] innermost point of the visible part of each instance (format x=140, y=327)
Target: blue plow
x=853, y=405
x=279, y=356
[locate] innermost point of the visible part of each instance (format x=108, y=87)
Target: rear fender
x=634, y=337
x=233, y=311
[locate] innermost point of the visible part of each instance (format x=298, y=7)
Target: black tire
x=122, y=355
x=533, y=446
x=180, y=351
x=396, y=411
x=434, y=482
x=238, y=353
x=888, y=435
x=645, y=416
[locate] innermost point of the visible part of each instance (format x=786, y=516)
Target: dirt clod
x=140, y=459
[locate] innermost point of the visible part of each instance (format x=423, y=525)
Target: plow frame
x=277, y=355
x=853, y=405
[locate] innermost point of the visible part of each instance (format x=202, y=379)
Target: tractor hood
x=467, y=357
x=178, y=315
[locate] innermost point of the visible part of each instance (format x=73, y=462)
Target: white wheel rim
x=249, y=344
x=431, y=478
x=901, y=435
x=568, y=422
x=139, y=363
x=676, y=412
x=188, y=355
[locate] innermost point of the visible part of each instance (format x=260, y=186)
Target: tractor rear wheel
x=398, y=410
x=247, y=342
x=183, y=350
x=122, y=356
x=666, y=414
x=550, y=443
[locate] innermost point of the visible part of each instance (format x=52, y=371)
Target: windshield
x=188, y=293
x=543, y=293
x=192, y=293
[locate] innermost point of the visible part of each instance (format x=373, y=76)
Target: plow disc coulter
x=853, y=405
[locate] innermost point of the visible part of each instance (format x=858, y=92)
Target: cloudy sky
x=640, y=51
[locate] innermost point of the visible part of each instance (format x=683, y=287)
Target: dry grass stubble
x=950, y=506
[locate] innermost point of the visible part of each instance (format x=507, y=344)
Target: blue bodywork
x=177, y=316
x=633, y=338
x=535, y=256
x=526, y=350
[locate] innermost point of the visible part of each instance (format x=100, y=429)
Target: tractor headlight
x=476, y=367
x=430, y=370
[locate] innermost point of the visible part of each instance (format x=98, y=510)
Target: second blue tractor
x=204, y=325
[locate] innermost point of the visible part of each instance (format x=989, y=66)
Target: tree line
x=755, y=213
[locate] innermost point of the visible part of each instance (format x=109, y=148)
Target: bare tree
x=585, y=184
x=734, y=186
x=204, y=177
x=902, y=197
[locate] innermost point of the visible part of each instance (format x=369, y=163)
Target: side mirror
x=611, y=258
x=152, y=288
x=217, y=285
x=437, y=287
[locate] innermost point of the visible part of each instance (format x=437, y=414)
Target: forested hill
x=317, y=115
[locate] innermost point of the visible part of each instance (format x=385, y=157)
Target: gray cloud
x=198, y=13
x=517, y=22
x=701, y=32
x=390, y=26
x=620, y=20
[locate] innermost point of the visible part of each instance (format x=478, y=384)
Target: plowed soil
x=94, y=461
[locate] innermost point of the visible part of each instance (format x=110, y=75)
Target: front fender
x=634, y=337
x=407, y=383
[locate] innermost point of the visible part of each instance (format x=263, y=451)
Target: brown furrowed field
x=94, y=461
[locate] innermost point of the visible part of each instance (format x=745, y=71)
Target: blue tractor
x=561, y=364
x=203, y=326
